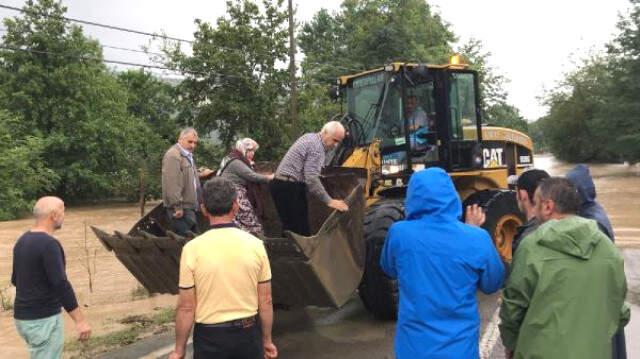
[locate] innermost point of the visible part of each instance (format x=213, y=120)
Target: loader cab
x=423, y=115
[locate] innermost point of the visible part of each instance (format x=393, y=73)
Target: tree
x=624, y=109
x=233, y=82
x=24, y=174
x=495, y=108
x=577, y=127
x=53, y=78
x=369, y=33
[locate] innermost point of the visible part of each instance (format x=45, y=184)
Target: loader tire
x=502, y=217
x=378, y=292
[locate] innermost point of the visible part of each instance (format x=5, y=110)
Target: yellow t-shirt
x=225, y=265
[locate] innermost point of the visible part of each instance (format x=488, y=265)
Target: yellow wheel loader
x=400, y=118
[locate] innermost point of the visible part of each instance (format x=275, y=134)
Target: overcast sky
x=532, y=42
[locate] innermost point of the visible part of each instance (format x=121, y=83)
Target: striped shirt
x=303, y=162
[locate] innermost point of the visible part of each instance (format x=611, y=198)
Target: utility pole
x=292, y=73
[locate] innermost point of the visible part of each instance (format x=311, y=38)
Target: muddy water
x=618, y=190
x=110, y=297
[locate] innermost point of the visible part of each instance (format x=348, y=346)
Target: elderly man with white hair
x=41, y=284
x=181, y=189
x=299, y=172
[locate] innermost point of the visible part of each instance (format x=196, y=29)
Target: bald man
x=299, y=173
x=41, y=284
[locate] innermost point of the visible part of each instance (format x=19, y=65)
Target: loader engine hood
x=431, y=194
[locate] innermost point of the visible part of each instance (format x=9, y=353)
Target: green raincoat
x=565, y=295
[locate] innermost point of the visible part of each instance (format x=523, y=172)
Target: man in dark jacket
x=589, y=208
x=41, y=284
x=439, y=263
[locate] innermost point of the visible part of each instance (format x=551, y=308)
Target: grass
x=137, y=326
x=5, y=300
x=140, y=292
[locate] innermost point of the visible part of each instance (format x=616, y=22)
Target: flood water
x=113, y=288
x=618, y=191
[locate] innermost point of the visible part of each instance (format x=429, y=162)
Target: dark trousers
x=188, y=221
x=290, y=199
x=227, y=343
x=619, y=345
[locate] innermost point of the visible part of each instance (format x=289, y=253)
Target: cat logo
x=492, y=157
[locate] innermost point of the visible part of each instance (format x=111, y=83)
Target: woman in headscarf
x=589, y=208
x=238, y=167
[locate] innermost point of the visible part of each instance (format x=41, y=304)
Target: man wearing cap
x=526, y=186
x=225, y=286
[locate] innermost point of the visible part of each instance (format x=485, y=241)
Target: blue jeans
x=44, y=337
x=187, y=223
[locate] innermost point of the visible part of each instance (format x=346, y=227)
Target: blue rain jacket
x=439, y=263
x=589, y=208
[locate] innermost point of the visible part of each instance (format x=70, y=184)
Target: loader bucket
x=323, y=269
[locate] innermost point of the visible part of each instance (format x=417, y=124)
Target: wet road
x=317, y=333
x=351, y=332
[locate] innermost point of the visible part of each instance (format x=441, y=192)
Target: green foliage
x=23, y=173
x=83, y=133
x=496, y=111
x=538, y=137
x=366, y=34
x=504, y=115
x=369, y=33
x=153, y=104
x=234, y=85
x=594, y=113
x=66, y=101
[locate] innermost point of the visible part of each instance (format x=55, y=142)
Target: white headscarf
x=245, y=145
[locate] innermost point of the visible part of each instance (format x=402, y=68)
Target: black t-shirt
x=39, y=277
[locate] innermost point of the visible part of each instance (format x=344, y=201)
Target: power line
x=118, y=28
x=117, y=62
x=106, y=26
x=131, y=50
x=118, y=48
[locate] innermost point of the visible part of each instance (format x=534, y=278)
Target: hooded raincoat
x=565, y=296
x=439, y=263
x=589, y=208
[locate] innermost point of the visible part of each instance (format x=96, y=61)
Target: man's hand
x=83, y=329
x=271, y=176
x=204, y=172
x=338, y=204
x=176, y=355
x=178, y=213
x=475, y=215
x=270, y=350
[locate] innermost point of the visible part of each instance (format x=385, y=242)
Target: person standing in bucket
x=42, y=286
x=224, y=286
x=439, y=263
x=237, y=166
x=181, y=183
x=299, y=172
